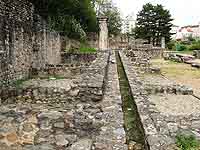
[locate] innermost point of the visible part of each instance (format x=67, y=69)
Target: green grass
x=187, y=142
x=86, y=48
x=194, y=47
x=190, y=52
x=19, y=83
x=175, y=69
x=185, y=47
x=56, y=77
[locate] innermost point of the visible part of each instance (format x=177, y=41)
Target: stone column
x=103, y=34
x=163, y=42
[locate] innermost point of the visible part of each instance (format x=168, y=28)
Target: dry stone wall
x=24, y=41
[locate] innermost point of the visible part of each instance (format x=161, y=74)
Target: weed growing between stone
x=56, y=77
x=19, y=83
x=189, y=142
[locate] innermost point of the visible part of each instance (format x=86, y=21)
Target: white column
x=163, y=42
x=103, y=34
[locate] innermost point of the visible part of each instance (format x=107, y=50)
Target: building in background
x=187, y=31
x=174, y=31
x=129, y=24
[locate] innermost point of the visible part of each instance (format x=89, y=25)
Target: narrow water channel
x=132, y=123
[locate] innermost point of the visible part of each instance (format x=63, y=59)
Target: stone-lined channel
x=134, y=130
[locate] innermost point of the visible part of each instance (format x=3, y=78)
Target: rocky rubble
x=53, y=127
x=162, y=126
x=60, y=123
x=85, y=85
x=179, y=57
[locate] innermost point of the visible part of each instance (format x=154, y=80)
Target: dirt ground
x=180, y=73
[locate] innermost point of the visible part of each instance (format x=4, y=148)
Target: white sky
x=184, y=12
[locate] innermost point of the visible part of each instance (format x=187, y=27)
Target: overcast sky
x=184, y=12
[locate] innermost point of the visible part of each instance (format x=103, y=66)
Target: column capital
x=102, y=19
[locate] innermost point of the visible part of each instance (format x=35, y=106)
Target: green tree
x=153, y=22
x=114, y=21
x=73, y=18
x=113, y=15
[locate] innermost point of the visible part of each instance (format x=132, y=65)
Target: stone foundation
x=76, y=84
x=163, y=114
x=73, y=58
x=44, y=117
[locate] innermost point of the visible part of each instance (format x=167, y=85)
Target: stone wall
x=24, y=41
x=141, y=56
x=15, y=28
x=151, y=52
x=197, y=53
x=69, y=45
x=74, y=58
x=72, y=125
x=162, y=107
x=92, y=39
x=78, y=83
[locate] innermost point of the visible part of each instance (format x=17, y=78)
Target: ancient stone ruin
x=109, y=100
x=165, y=108
x=103, y=35
x=53, y=100
x=26, y=44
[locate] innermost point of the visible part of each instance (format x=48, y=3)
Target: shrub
x=187, y=142
x=171, y=44
x=195, y=46
x=185, y=42
x=181, y=47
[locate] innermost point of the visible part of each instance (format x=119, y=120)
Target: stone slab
x=176, y=105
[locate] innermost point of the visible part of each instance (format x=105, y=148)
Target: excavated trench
x=134, y=130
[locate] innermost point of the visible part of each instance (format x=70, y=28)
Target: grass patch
x=187, y=142
x=56, y=77
x=19, y=83
x=85, y=48
x=175, y=69
x=190, y=52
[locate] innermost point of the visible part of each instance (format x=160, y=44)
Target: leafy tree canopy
x=113, y=14
x=75, y=18
x=153, y=23
x=72, y=17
